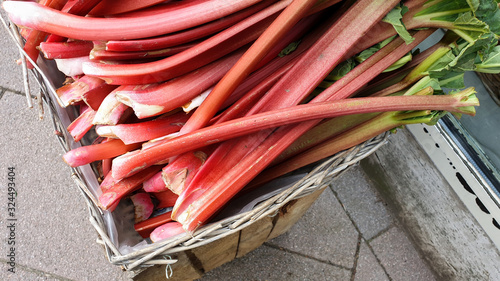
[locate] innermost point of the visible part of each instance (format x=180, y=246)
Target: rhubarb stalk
x=36, y=16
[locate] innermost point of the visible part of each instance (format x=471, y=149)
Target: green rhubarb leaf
x=364, y=55
x=289, y=49
x=400, y=63
x=488, y=12
x=491, y=64
x=450, y=79
x=465, y=56
x=469, y=27
x=394, y=17
x=434, y=117
x=341, y=70
x=423, y=83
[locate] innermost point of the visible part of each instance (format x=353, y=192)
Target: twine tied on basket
x=168, y=268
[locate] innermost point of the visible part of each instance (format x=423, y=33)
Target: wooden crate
x=192, y=264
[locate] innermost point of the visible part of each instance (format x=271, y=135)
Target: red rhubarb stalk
x=105, y=55
x=73, y=92
x=111, y=111
x=207, y=51
x=270, y=119
x=115, y=193
x=143, y=206
x=166, y=231
x=73, y=66
x=34, y=37
x=94, y=97
x=111, y=7
x=283, y=23
x=145, y=228
x=177, y=174
x=33, y=15
x=202, y=206
x=184, y=36
x=321, y=132
x=144, y=131
x=66, y=50
x=154, y=99
x=166, y=199
x=82, y=124
x=90, y=153
x=155, y=184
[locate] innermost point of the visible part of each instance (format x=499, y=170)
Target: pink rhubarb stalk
x=105, y=55
x=143, y=206
x=66, y=50
x=185, y=36
x=283, y=23
x=203, y=53
x=275, y=118
x=155, y=99
x=73, y=66
x=166, y=231
x=73, y=93
x=145, y=228
x=90, y=153
x=124, y=187
x=111, y=111
x=144, y=131
x=162, y=21
x=166, y=198
x=155, y=184
x=111, y=7
x=82, y=124
x=34, y=37
x=177, y=174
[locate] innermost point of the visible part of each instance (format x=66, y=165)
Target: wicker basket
x=492, y=84
x=213, y=244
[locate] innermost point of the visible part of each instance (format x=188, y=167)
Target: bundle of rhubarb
x=196, y=102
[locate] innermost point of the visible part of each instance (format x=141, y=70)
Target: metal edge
x=461, y=176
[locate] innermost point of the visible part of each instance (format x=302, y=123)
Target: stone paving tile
x=10, y=72
x=368, y=268
x=267, y=263
x=361, y=202
x=28, y=274
x=53, y=233
x=399, y=257
x=324, y=232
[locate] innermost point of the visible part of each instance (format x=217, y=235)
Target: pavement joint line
x=345, y=210
x=356, y=257
x=38, y=272
x=305, y=256
x=375, y=255
x=2, y=92
x=6, y=89
x=380, y=233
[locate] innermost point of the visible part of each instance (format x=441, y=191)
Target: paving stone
x=398, y=256
x=24, y=274
x=267, y=263
x=368, y=267
x=324, y=232
x=10, y=72
x=53, y=233
x=362, y=203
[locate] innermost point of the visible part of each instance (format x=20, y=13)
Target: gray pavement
x=348, y=234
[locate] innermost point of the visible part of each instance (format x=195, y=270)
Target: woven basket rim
x=159, y=252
